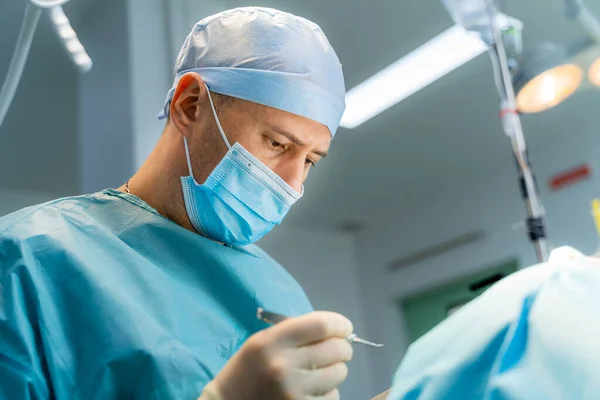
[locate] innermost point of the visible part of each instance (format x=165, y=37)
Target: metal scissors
x=273, y=318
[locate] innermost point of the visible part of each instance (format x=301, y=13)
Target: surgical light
x=550, y=75
x=594, y=73
x=545, y=79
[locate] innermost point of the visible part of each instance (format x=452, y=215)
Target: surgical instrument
x=273, y=318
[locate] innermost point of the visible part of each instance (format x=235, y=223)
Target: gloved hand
x=299, y=358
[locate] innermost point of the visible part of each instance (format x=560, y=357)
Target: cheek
x=204, y=158
x=249, y=140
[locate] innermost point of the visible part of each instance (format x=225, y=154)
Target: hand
x=299, y=358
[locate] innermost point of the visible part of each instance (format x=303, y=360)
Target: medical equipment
x=596, y=216
x=596, y=213
x=64, y=30
x=551, y=73
x=481, y=17
x=273, y=318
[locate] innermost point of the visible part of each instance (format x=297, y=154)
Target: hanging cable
x=17, y=64
x=19, y=58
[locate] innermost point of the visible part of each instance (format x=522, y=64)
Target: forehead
x=268, y=118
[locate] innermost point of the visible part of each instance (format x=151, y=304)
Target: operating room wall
x=13, y=200
x=491, y=203
x=323, y=262
x=104, y=96
x=122, y=95
x=150, y=32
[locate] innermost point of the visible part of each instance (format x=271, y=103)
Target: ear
x=188, y=102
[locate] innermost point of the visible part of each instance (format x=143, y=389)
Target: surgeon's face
x=288, y=144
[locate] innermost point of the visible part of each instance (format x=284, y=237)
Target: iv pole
x=511, y=123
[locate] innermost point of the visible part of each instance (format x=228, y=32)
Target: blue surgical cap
x=267, y=57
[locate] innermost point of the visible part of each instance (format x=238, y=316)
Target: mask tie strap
x=185, y=143
x=187, y=156
x=217, y=118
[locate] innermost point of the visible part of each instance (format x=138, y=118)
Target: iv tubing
x=17, y=64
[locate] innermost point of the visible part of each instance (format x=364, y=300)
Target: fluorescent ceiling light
x=423, y=66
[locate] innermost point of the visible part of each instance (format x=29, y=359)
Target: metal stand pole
x=511, y=123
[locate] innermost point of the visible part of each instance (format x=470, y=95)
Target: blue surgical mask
x=242, y=199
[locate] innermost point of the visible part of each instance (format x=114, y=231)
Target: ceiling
x=444, y=138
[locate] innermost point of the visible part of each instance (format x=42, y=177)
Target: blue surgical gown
x=103, y=298
x=533, y=336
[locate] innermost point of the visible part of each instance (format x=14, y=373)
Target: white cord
x=19, y=58
x=17, y=64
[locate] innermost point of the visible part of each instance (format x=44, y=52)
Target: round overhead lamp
x=594, y=73
x=546, y=77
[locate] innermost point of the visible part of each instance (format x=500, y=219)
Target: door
x=425, y=310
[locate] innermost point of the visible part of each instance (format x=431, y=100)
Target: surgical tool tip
x=273, y=318
x=366, y=342
x=355, y=339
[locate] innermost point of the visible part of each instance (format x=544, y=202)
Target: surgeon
x=532, y=336
x=150, y=291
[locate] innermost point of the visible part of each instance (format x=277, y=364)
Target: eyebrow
x=294, y=139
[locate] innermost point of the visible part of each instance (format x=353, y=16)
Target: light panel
x=423, y=66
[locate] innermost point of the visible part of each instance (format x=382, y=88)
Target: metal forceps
x=273, y=318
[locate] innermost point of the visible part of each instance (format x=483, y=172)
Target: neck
x=158, y=183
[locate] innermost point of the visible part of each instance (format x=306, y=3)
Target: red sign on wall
x=570, y=177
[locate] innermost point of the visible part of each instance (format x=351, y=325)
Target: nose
x=292, y=172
